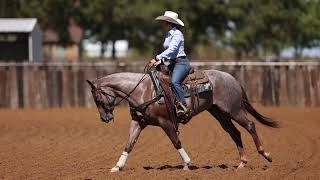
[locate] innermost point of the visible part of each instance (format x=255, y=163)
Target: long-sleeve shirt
x=174, y=45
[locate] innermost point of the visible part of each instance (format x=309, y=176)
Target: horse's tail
x=248, y=107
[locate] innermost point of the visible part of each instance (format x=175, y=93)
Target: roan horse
x=226, y=102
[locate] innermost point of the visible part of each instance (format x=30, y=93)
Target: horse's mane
x=117, y=77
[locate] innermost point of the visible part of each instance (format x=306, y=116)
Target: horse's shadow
x=180, y=167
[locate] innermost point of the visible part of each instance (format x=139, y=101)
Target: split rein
x=146, y=69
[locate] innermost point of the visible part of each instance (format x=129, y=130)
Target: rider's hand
x=154, y=62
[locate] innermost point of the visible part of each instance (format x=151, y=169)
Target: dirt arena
x=74, y=144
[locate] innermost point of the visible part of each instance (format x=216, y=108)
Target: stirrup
x=184, y=108
x=183, y=111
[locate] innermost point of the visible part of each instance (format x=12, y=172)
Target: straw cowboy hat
x=170, y=16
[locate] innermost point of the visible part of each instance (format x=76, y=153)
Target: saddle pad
x=200, y=88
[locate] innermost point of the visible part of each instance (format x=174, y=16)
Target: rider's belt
x=179, y=59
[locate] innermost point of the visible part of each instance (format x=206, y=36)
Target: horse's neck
x=123, y=83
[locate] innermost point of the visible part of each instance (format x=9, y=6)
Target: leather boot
x=181, y=109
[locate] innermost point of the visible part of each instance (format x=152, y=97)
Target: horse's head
x=105, y=101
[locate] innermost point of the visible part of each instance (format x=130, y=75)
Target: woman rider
x=174, y=53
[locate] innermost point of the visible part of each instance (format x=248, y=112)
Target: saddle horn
x=91, y=84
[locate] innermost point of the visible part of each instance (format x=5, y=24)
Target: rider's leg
x=180, y=71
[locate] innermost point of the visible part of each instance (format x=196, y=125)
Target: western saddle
x=195, y=83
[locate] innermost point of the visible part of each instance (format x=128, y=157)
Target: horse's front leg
x=169, y=129
x=134, y=132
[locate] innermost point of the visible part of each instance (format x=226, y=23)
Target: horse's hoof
x=186, y=168
x=115, y=169
x=267, y=156
x=241, y=165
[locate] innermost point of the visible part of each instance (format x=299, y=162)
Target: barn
x=20, y=40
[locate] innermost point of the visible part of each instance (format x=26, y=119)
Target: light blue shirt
x=174, y=45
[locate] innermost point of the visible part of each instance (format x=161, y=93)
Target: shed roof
x=14, y=25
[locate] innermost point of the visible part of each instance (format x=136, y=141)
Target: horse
x=226, y=102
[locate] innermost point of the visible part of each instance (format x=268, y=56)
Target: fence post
x=315, y=85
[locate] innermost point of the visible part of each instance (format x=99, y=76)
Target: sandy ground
x=74, y=144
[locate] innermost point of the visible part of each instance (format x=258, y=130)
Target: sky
x=308, y=52
x=93, y=50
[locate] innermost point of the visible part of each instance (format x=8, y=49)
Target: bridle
x=112, y=104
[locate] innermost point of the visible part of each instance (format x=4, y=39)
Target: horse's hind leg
x=225, y=121
x=134, y=132
x=242, y=120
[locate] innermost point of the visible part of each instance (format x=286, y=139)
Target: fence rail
x=38, y=85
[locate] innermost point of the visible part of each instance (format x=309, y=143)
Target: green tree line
x=246, y=27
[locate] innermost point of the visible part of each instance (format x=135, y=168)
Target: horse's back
x=226, y=90
x=221, y=77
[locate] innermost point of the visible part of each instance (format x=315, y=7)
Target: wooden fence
x=37, y=85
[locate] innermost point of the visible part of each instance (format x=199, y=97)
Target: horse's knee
x=251, y=127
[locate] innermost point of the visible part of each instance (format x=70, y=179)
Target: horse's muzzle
x=106, y=117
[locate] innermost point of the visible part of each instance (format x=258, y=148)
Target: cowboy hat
x=170, y=16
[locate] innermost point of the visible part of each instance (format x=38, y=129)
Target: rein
x=146, y=70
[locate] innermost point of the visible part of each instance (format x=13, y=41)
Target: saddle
x=195, y=79
x=194, y=84
x=197, y=76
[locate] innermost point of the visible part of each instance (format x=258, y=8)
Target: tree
x=105, y=21
x=9, y=8
x=205, y=20
x=307, y=34
x=111, y=20
x=57, y=15
x=264, y=27
x=249, y=27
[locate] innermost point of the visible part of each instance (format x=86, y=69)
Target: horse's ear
x=91, y=85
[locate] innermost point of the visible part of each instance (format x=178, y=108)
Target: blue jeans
x=180, y=71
